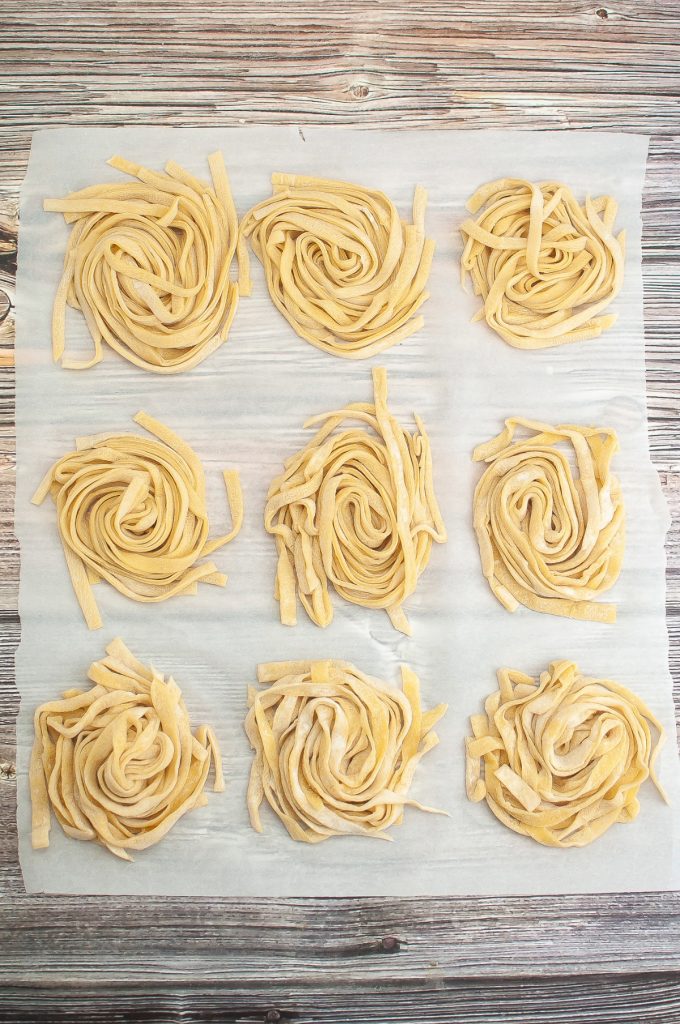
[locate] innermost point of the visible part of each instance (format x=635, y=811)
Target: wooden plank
x=631, y=999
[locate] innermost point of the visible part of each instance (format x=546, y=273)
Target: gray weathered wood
x=467, y=64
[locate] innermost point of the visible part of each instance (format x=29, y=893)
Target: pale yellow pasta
x=562, y=758
x=355, y=510
x=545, y=266
x=148, y=264
x=341, y=266
x=131, y=510
x=550, y=539
x=335, y=750
x=118, y=763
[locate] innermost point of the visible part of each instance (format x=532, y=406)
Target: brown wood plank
x=630, y=999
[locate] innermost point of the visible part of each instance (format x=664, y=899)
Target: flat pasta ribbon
x=148, y=264
x=562, y=758
x=132, y=511
x=356, y=510
x=342, y=267
x=335, y=750
x=548, y=539
x=118, y=764
x=545, y=266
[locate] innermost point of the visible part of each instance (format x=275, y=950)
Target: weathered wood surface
x=481, y=64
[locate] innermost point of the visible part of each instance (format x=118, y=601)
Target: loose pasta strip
x=148, y=263
x=118, y=763
x=131, y=510
x=549, y=539
x=341, y=266
x=545, y=266
x=355, y=510
x=562, y=758
x=335, y=750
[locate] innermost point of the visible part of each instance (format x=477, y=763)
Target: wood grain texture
x=628, y=1000
x=371, y=64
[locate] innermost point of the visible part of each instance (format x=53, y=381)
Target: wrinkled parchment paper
x=245, y=407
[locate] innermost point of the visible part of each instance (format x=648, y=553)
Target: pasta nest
x=148, y=264
x=562, y=758
x=131, y=510
x=356, y=510
x=548, y=539
x=118, y=764
x=545, y=266
x=335, y=750
x=342, y=267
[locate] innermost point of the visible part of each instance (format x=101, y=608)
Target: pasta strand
x=548, y=539
x=148, y=264
x=335, y=750
x=355, y=510
x=131, y=510
x=341, y=266
x=118, y=764
x=562, y=758
x=545, y=267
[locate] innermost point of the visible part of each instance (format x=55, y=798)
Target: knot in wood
x=359, y=92
x=8, y=771
x=5, y=305
x=602, y=13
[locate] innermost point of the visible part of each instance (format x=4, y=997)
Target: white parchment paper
x=245, y=407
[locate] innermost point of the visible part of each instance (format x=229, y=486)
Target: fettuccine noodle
x=131, y=510
x=545, y=266
x=548, y=539
x=335, y=750
x=355, y=509
x=561, y=759
x=148, y=263
x=118, y=763
x=342, y=267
